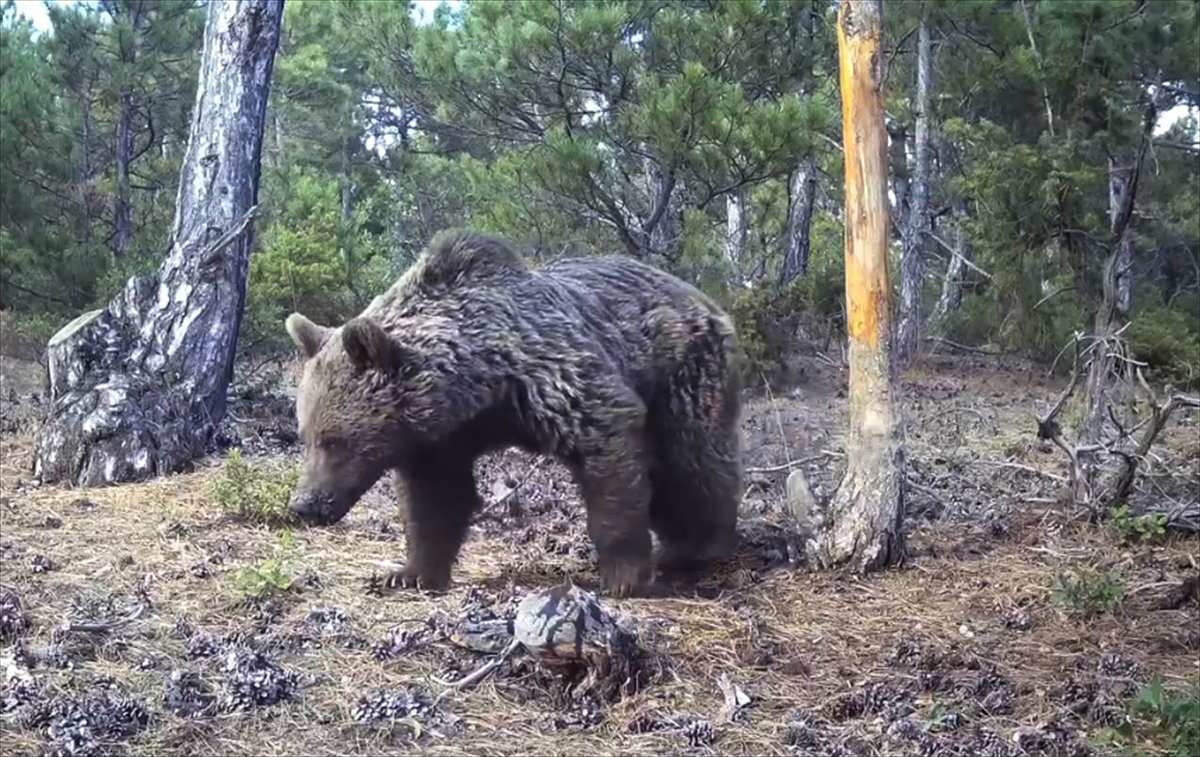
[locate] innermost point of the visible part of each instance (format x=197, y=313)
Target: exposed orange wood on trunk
x=860, y=527
x=866, y=157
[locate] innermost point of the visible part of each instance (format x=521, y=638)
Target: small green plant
x=272, y=576
x=1174, y=715
x=255, y=492
x=1171, y=718
x=941, y=717
x=1147, y=527
x=1089, y=595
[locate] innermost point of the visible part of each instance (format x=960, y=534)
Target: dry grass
x=794, y=641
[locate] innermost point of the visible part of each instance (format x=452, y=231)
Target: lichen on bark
x=138, y=388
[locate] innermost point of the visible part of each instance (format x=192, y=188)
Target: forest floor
x=127, y=624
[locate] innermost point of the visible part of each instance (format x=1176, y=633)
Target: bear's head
x=346, y=412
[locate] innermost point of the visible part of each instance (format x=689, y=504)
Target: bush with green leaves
x=1134, y=527
x=1167, y=339
x=310, y=260
x=1087, y=594
x=257, y=491
x=1170, y=718
x=767, y=316
x=1176, y=715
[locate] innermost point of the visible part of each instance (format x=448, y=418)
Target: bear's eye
x=332, y=443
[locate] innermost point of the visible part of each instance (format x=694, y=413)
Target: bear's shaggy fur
x=625, y=373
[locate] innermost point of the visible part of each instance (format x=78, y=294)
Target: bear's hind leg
x=440, y=499
x=696, y=491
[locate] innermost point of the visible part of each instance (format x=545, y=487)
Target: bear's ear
x=369, y=347
x=308, y=336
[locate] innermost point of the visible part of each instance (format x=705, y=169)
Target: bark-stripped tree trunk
x=861, y=527
x=1113, y=311
x=912, y=260
x=139, y=387
x=1038, y=59
x=952, y=283
x=898, y=165
x=736, y=233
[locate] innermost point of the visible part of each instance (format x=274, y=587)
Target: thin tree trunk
x=346, y=189
x=139, y=387
x=123, y=213
x=862, y=524
x=802, y=194
x=278, y=140
x=952, y=283
x=660, y=230
x=802, y=185
x=1038, y=59
x=87, y=172
x=898, y=165
x=736, y=232
x=1114, y=305
x=1120, y=185
x=912, y=261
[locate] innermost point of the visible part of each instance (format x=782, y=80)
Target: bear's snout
x=313, y=510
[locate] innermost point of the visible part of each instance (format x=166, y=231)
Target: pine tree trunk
x=660, y=230
x=802, y=185
x=139, y=387
x=912, y=261
x=802, y=197
x=862, y=525
x=1114, y=305
x=123, y=213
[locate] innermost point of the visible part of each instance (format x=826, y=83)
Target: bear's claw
x=409, y=579
x=625, y=580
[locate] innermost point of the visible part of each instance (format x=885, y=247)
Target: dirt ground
x=124, y=627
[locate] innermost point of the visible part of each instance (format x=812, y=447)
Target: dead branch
x=1159, y=415
x=1019, y=466
x=1093, y=492
x=478, y=674
x=793, y=463
x=963, y=347
x=1047, y=427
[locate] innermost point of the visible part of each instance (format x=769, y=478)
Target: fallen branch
x=1048, y=428
x=1159, y=415
x=1026, y=468
x=793, y=463
x=477, y=675
x=963, y=347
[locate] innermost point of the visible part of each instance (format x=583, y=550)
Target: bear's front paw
x=625, y=579
x=410, y=578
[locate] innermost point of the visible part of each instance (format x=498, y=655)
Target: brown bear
x=625, y=373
